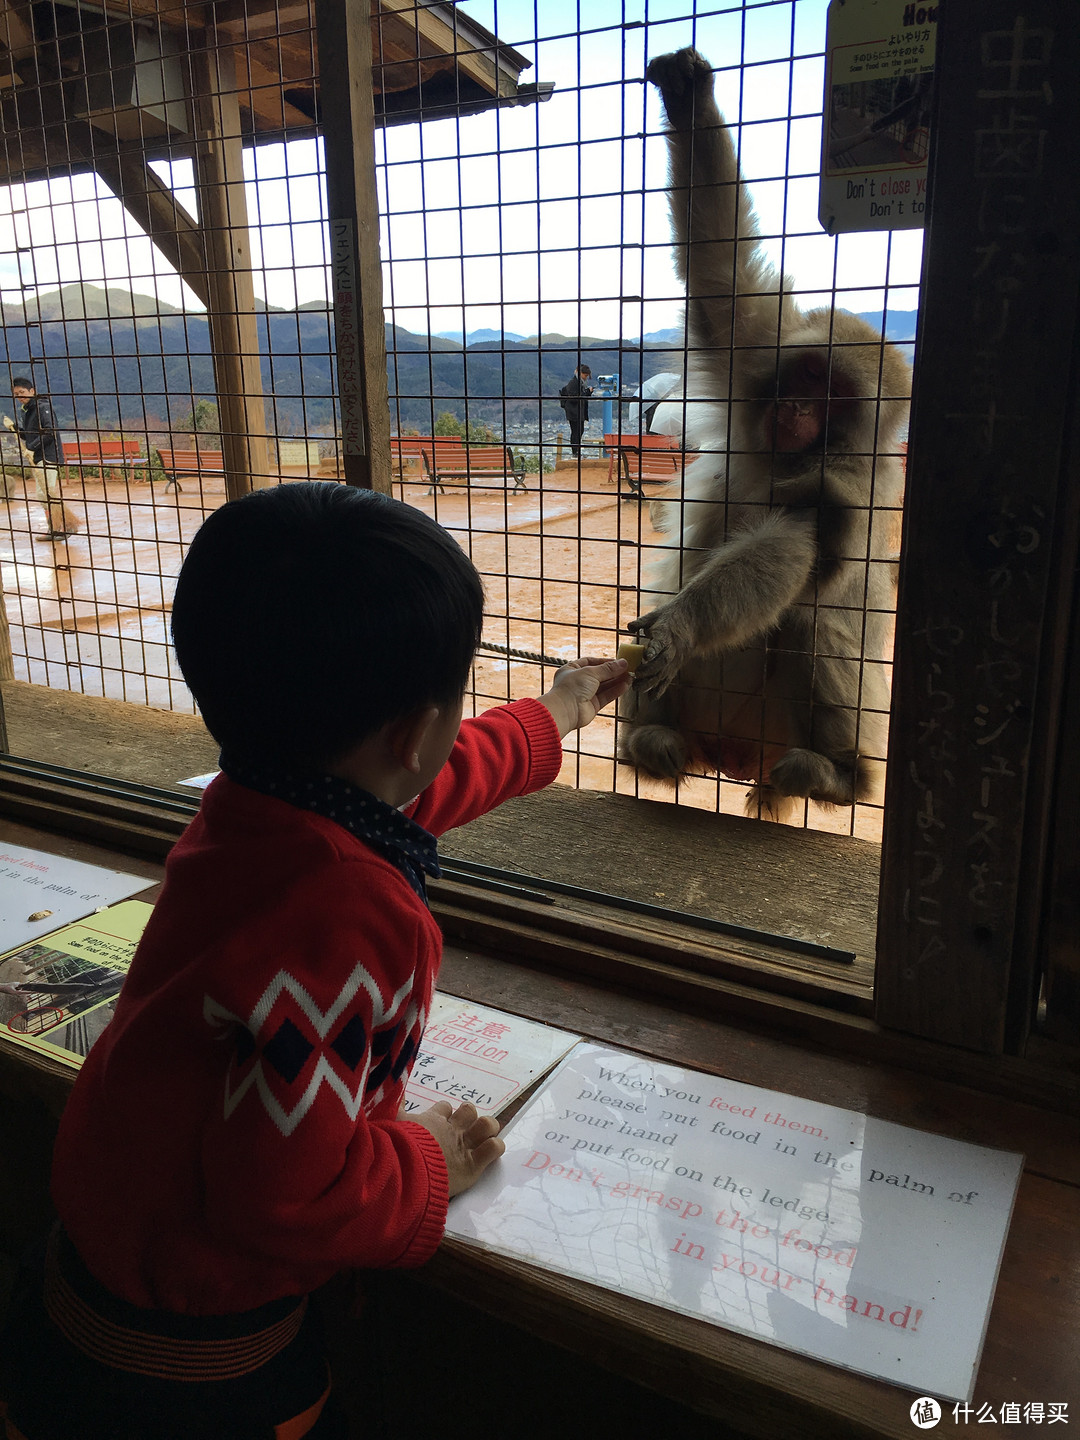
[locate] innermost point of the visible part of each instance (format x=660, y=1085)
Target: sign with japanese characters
x=58, y=993
x=845, y=1238
x=472, y=1053
x=347, y=331
x=876, y=130
x=40, y=892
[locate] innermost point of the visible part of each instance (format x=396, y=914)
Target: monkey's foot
x=685, y=81
x=656, y=750
x=807, y=774
x=765, y=803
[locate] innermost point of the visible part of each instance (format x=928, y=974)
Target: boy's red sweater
x=232, y=1137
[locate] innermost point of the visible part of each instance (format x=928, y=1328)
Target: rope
x=521, y=654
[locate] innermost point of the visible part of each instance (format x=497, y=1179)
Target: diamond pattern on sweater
x=369, y=1050
x=245, y=1045
x=350, y=1043
x=288, y=1051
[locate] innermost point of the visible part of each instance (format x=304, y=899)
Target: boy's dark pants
x=54, y=1390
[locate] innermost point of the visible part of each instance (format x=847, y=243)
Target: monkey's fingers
x=678, y=77
x=657, y=674
x=643, y=623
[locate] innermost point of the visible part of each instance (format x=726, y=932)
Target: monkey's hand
x=670, y=643
x=685, y=82
x=9, y=423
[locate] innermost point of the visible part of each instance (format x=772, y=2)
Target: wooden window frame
x=963, y=932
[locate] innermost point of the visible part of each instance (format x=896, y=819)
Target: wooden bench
x=643, y=441
x=615, y=445
x=190, y=462
x=653, y=465
x=108, y=456
x=414, y=450
x=489, y=463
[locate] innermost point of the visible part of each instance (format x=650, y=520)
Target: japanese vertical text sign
x=347, y=326
x=876, y=127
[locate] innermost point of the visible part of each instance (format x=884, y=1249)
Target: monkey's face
x=837, y=393
x=812, y=406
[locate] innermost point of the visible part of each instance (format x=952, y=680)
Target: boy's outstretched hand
x=469, y=1141
x=581, y=689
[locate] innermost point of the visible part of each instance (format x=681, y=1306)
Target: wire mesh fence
x=165, y=288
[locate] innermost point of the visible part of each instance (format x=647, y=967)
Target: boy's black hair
x=308, y=615
x=20, y=382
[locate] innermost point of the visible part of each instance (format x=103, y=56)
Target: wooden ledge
x=755, y=1388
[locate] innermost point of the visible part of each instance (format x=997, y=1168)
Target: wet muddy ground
x=562, y=568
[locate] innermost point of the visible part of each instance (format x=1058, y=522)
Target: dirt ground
x=562, y=567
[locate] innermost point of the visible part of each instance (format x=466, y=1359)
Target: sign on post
x=876, y=129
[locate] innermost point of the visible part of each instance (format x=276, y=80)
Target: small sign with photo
x=876, y=130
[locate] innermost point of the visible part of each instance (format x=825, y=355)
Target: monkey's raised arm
x=734, y=296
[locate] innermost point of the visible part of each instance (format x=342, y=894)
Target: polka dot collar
x=405, y=844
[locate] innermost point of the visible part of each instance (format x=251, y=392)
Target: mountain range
x=114, y=360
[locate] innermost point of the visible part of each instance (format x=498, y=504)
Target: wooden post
x=7, y=663
x=1061, y=939
x=345, y=87
x=990, y=532
x=230, y=291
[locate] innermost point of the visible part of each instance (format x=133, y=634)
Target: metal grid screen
x=526, y=241
x=182, y=211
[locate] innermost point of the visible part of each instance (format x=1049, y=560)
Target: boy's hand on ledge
x=469, y=1141
x=581, y=689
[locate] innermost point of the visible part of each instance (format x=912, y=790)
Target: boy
x=37, y=431
x=233, y=1138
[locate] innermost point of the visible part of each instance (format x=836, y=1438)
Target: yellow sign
x=58, y=993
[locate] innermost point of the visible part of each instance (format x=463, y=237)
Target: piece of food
x=632, y=653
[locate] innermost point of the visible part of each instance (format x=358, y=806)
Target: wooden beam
x=262, y=90
x=990, y=532
x=263, y=17
x=348, y=121
x=149, y=201
x=156, y=209
x=173, y=13
x=444, y=39
x=230, y=290
x=16, y=30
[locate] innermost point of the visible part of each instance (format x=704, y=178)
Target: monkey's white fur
x=768, y=619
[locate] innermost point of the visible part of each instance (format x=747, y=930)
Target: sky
x=536, y=219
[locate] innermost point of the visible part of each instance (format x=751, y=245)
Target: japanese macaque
x=769, y=616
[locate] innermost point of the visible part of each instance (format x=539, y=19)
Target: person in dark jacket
x=36, y=428
x=575, y=404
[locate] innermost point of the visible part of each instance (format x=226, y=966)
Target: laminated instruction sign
x=470, y=1052
x=57, y=994
x=40, y=892
x=876, y=131
x=848, y=1239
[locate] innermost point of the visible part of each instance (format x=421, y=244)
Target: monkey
x=768, y=618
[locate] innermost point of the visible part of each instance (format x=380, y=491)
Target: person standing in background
x=575, y=404
x=37, y=430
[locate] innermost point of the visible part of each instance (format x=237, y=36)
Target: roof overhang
x=74, y=74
